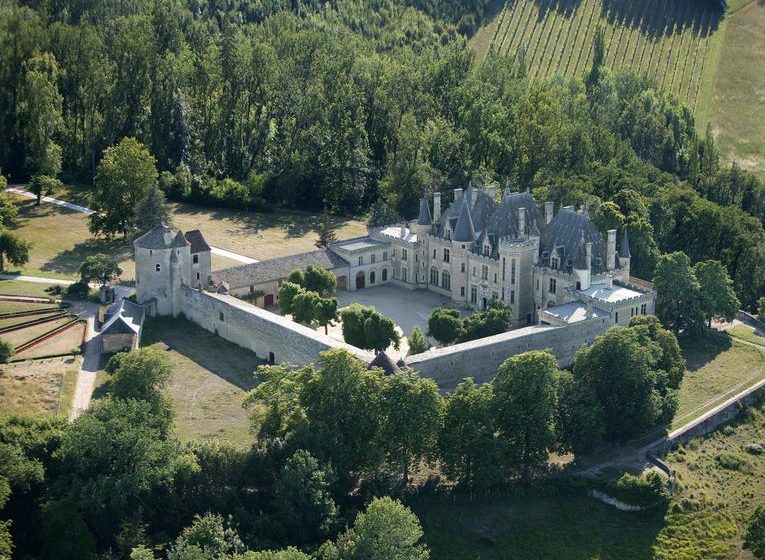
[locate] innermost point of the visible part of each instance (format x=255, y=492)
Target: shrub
x=78, y=290
x=6, y=351
x=754, y=448
x=731, y=461
x=55, y=289
x=646, y=490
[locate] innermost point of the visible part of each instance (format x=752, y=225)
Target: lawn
x=210, y=379
x=19, y=288
x=61, y=240
x=705, y=520
x=259, y=235
x=21, y=336
x=39, y=387
x=737, y=102
x=718, y=368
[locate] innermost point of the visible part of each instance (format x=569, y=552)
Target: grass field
x=737, y=103
x=210, y=379
x=38, y=388
x=19, y=288
x=718, y=368
x=61, y=240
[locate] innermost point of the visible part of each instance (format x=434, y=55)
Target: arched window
x=372, y=277
x=385, y=275
x=446, y=280
x=434, y=277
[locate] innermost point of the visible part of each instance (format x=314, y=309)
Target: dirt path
x=86, y=378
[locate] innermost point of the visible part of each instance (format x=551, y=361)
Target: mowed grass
x=674, y=41
x=61, y=240
x=20, y=288
x=209, y=380
x=718, y=368
x=737, y=103
x=39, y=387
x=706, y=518
x=260, y=235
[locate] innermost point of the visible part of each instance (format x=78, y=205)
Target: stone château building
x=549, y=267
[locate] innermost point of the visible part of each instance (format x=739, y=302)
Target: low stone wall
x=711, y=420
x=268, y=335
x=481, y=358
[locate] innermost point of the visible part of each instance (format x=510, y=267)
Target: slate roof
x=624, y=250
x=480, y=213
x=580, y=263
x=463, y=229
x=424, y=218
x=277, y=269
x=567, y=231
x=197, y=241
x=572, y=312
x=504, y=220
x=126, y=319
x=154, y=238
x=179, y=240
x=383, y=361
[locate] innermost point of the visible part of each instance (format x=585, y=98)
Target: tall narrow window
x=553, y=285
x=403, y=254
x=512, y=296
x=446, y=280
x=512, y=271
x=446, y=255
x=484, y=272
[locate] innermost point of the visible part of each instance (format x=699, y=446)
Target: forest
x=344, y=104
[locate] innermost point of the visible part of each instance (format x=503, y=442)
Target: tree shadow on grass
x=69, y=260
x=297, y=224
x=220, y=357
x=661, y=18
x=566, y=8
x=698, y=351
x=549, y=524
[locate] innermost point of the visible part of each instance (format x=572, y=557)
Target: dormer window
x=486, y=250
x=448, y=234
x=554, y=262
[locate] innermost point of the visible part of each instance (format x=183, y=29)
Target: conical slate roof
x=424, y=219
x=464, y=231
x=624, y=250
x=383, y=361
x=180, y=240
x=154, y=238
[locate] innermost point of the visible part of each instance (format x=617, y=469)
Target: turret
x=424, y=223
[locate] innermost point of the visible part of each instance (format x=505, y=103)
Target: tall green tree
x=718, y=298
x=678, y=294
x=444, y=325
x=13, y=250
x=364, y=327
x=524, y=406
x=412, y=411
x=152, y=210
x=417, y=341
x=302, y=501
x=101, y=267
x=387, y=530
x=141, y=375
x=124, y=176
x=468, y=450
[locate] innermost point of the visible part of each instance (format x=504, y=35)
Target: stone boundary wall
x=751, y=320
x=481, y=358
x=259, y=330
x=711, y=420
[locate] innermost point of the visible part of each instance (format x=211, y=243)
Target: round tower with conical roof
x=162, y=259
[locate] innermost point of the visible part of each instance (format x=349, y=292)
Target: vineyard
x=670, y=40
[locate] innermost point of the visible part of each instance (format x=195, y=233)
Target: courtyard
x=406, y=308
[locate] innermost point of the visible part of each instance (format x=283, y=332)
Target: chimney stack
x=457, y=194
x=403, y=230
x=491, y=190
x=521, y=222
x=549, y=211
x=436, y=206
x=609, y=282
x=611, y=250
x=589, y=309
x=473, y=196
x=588, y=247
